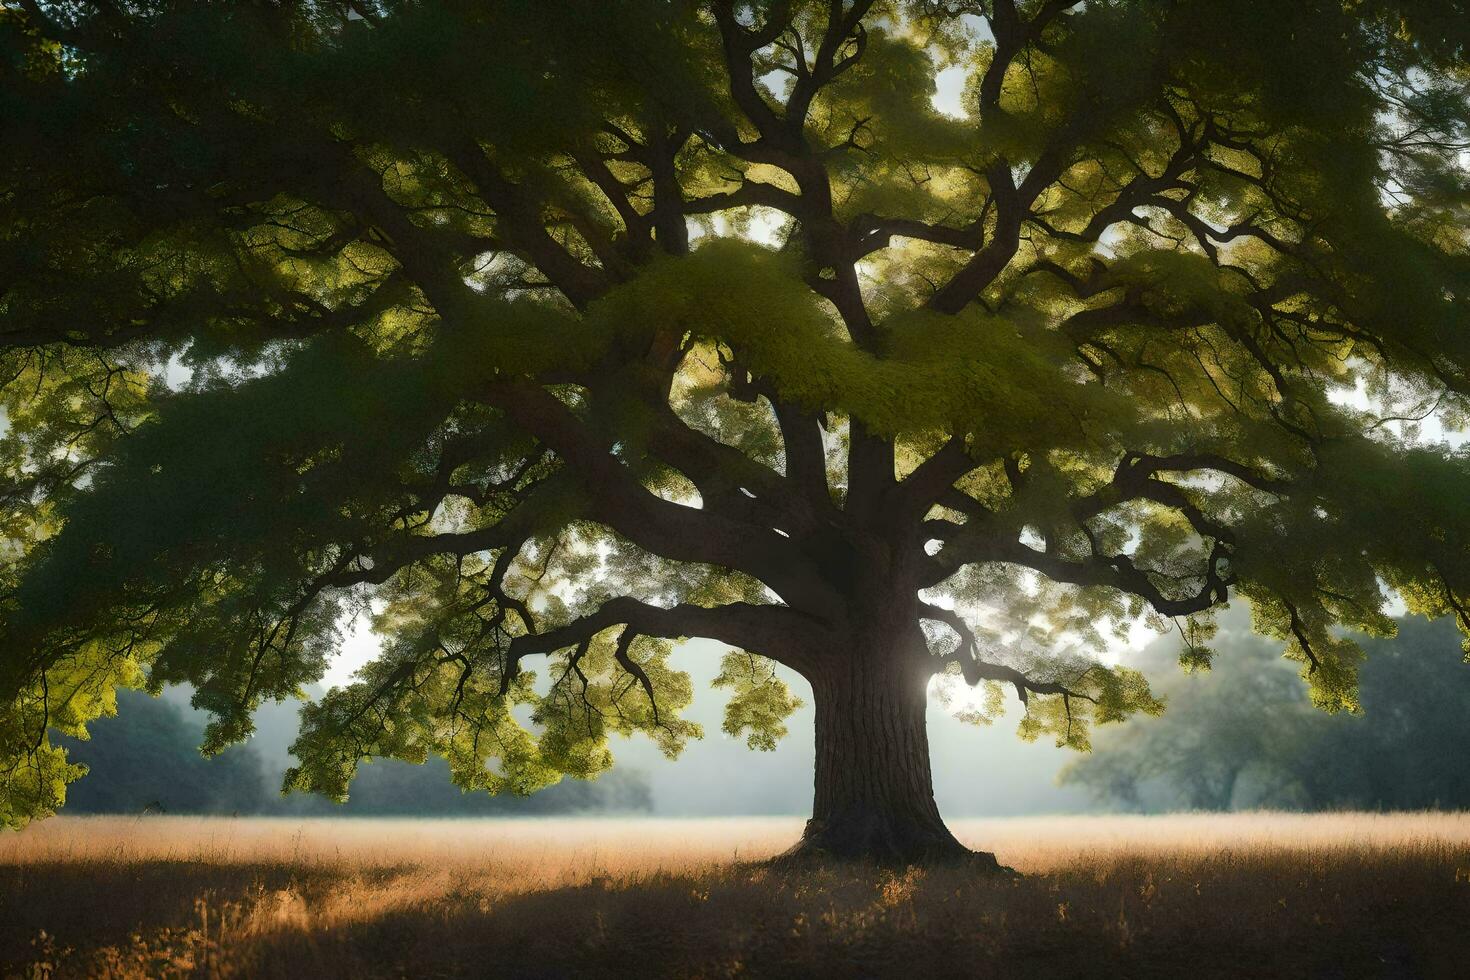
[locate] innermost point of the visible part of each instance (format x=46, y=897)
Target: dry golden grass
x=1243, y=895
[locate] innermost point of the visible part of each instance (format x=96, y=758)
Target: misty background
x=1240, y=736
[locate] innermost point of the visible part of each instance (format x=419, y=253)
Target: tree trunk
x=874, y=796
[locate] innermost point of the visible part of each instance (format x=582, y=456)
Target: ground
x=1340, y=895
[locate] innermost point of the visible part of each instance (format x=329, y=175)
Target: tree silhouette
x=565, y=330
x=1244, y=736
x=147, y=760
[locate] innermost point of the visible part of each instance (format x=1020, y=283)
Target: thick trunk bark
x=874, y=796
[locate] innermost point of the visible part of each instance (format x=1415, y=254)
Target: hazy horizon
x=979, y=771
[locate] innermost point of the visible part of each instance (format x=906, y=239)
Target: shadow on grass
x=851, y=922
x=47, y=907
x=1303, y=915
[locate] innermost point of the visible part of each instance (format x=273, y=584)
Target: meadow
x=1342, y=895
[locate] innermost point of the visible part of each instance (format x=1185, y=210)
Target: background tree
x=1245, y=736
x=462, y=306
x=392, y=788
x=148, y=754
x=148, y=757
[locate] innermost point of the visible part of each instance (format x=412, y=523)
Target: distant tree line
x=1241, y=735
x=1245, y=735
x=147, y=759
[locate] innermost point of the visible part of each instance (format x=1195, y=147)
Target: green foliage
x=760, y=702
x=1101, y=695
x=63, y=700
x=965, y=374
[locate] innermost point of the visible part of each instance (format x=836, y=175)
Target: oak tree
x=554, y=332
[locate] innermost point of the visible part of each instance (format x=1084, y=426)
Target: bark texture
x=874, y=791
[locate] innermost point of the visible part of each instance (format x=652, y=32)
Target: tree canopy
x=560, y=331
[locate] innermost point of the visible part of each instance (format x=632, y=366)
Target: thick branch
x=777, y=632
x=658, y=526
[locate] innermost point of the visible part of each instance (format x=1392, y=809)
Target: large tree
x=560, y=331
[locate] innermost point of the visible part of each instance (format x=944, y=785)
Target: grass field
x=1198, y=896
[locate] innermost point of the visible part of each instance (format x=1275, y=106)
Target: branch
x=751, y=193
x=806, y=455
x=524, y=228
x=931, y=480
x=776, y=632
x=977, y=544
x=731, y=482
x=625, y=640
x=1012, y=34
x=656, y=525
x=974, y=670
x=872, y=232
